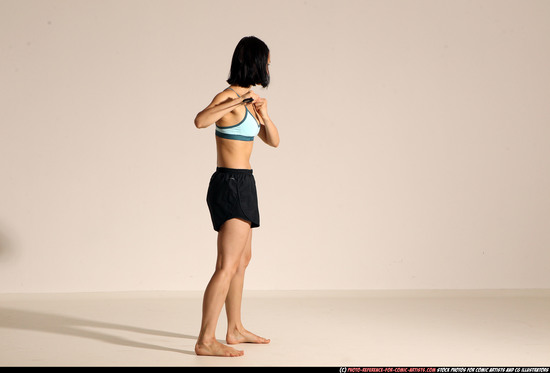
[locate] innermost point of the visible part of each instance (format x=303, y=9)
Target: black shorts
x=232, y=194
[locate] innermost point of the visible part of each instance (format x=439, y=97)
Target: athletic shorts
x=232, y=194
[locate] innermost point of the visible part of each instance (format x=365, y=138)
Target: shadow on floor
x=12, y=318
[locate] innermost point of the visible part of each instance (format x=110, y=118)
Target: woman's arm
x=268, y=132
x=222, y=104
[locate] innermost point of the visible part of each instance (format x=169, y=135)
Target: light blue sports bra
x=245, y=130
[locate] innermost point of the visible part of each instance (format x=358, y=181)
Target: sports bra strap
x=245, y=106
x=234, y=91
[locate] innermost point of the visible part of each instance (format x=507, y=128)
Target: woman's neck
x=240, y=90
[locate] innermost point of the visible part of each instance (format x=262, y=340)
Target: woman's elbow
x=198, y=122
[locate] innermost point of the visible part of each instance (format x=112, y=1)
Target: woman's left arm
x=268, y=132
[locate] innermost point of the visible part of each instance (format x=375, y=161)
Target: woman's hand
x=261, y=106
x=251, y=94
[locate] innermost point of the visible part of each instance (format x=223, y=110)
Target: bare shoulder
x=222, y=97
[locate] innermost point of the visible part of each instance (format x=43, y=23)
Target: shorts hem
x=253, y=224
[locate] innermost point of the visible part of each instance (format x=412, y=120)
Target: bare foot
x=216, y=348
x=244, y=336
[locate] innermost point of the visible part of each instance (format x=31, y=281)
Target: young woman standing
x=239, y=115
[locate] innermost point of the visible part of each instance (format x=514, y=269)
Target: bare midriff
x=233, y=153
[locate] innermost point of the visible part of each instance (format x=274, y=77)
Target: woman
x=240, y=115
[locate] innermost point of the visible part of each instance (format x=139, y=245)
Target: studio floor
x=451, y=328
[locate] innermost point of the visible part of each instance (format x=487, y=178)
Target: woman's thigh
x=233, y=239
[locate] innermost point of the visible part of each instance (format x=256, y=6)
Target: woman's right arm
x=220, y=105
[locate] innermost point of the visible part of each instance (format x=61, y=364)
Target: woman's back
x=235, y=133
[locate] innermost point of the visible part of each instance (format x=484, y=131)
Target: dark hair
x=249, y=63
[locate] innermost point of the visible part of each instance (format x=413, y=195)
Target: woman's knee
x=227, y=272
x=245, y=260
x=242, y=266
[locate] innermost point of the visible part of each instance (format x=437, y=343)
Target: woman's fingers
x=252, y=94
x=260, y=102
x=261, y=106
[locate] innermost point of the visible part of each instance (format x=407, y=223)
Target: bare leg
x=236, y=333
x=232, y=239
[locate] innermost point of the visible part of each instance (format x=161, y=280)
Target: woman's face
x=268, y=61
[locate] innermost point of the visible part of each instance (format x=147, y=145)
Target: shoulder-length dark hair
x=249, y=63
